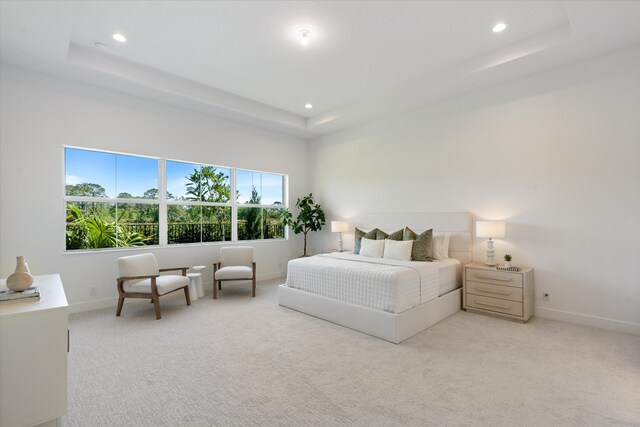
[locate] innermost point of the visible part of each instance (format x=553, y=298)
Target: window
x=198, y=203
x=118, y=200
x=111, y=200
x=260, y=197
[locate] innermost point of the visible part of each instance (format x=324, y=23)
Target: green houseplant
x=507, y=260
x=310, y=218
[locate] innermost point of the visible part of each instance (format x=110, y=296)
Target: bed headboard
x=456, y=223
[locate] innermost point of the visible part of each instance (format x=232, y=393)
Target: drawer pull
x=489, y=291
x=503, y=307
x=494, y=278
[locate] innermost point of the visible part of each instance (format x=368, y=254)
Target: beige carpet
x=247, y=361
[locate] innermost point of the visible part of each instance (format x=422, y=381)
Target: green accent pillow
x=421, y=250
x=359, y=234
x=380, y=235
x=397, y=235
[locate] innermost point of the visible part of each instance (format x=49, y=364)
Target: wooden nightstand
x=501, y=293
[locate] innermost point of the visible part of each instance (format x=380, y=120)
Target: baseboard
x=112, y=302
x=593, y=321
x=93, y=305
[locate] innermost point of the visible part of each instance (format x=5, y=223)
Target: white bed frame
x=388, y=326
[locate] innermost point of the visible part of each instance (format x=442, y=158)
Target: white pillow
x=440, y=245
x=396, y=249
x=372, y=248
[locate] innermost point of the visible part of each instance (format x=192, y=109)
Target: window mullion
x=234, y=206
x=163, y=226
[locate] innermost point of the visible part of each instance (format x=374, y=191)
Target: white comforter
x=382, y=284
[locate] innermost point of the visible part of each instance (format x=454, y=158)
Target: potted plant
x=310, y=218
x=507, y=260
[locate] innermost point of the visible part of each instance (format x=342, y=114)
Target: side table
x=196, y=288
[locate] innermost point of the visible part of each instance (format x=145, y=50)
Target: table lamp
x=490, y=229
x=339, y=227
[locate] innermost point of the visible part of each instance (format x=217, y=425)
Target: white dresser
x=33, y=357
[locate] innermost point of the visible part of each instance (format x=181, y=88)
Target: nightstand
x=502, y=293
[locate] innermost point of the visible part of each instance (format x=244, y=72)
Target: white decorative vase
x=507, y=264
x=22, y=278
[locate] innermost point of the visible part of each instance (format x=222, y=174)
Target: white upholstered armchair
x=140, y=278
x=236, y=263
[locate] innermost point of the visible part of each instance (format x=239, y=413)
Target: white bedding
x=450, y=275
x=382, y=284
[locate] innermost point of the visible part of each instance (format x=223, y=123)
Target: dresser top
x=51, y=297
x=489, y=268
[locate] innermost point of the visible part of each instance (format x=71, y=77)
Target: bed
x=388, y=299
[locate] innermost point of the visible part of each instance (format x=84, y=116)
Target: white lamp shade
x=490, y=228
x=339, y=226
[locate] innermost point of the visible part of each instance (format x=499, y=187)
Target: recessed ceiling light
x=304, y=37
x=100, y=45
x=308, y=106
x=119, y=37
x=499, y=27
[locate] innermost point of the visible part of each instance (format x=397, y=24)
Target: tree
x=253, y=217
x=310, y=218
x=208, y=185
x=86, y=189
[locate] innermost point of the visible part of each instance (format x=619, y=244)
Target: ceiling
x=243, y=60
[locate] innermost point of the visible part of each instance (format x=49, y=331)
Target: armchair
x=140, y=278
x=236, y=263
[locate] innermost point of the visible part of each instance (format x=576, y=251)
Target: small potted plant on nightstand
x=507, y=261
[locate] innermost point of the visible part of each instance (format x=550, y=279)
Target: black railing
x=190, y=232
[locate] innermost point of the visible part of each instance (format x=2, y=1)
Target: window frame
x=162, y=202
x=284, y=205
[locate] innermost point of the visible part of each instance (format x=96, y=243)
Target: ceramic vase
x=507, y=264
x=22, y=278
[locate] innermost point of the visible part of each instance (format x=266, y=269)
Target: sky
x=119, y=173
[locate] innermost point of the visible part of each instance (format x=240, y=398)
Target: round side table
x=193, y=285
x=198, y=279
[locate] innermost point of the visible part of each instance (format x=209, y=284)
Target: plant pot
x=507, y=264
x=22, y=278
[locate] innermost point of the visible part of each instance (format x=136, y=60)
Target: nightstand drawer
x=495, y=291
x=494, y=277
x=494, y=304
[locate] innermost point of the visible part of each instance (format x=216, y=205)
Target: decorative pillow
x=440, y=244
x=422, y=249
x=372, y=248
x=380, y=235
x=397, y=235
x=359, y=234
x=401, y=250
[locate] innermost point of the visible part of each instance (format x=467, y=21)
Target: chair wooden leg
x=219, y=284
x=120, y=303
x=156, y=304
x=253, y=287
x=215, y=289
x=186, y=295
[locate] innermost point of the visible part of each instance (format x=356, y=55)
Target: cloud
x=73, y=180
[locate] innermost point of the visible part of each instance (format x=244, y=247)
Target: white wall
x=557, y=156
x=39, y=114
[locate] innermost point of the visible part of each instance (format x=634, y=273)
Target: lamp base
x=490, y=253
x=340, y=249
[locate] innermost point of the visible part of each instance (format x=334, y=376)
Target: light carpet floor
x=247, y=361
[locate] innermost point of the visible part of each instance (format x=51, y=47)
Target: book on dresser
x=30, y=294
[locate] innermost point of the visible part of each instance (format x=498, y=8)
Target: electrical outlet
x=93, y=291
x=546, y=296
